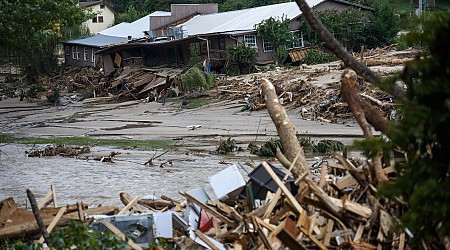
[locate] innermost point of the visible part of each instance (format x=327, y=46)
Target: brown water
x=97, y=182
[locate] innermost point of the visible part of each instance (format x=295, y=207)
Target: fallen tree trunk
x=285, y=129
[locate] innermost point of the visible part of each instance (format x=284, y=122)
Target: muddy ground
x=101, y=182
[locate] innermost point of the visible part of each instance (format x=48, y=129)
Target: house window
x=78, y=52
x=102, y=6
x=298, y=40
x=100, y=19
x=94, y=19
x=221, y=43
x=267, y=45
x=250, y=40
x=74, y=53
x=93, y=56
x=85, y=57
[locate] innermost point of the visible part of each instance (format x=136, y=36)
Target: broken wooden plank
x=80, y=211
x=121, y=235
x=52, y=187
x=54, y=222
x=209, y=210
x=329, y=230
x=347, y=181
x=287, y=232
x=206, y=240
x=105, y=210
x=359, y=233
x=353, y=207
x=45, y=200
x=127, y=207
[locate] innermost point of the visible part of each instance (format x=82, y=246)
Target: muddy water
x=97, y=182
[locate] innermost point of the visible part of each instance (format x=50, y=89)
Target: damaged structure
x=170, y=38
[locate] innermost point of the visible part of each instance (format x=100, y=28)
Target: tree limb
x=332, y=44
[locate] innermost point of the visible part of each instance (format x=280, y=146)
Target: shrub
x=195, y=79
x=316, y=56
x=227, y=146
x=242, y=56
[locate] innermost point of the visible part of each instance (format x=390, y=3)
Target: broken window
x=74, y=53
x=85, y=56
x=267, y=45
x=102, y=6
x=100, y=19
x=93, y=56
x=94, y=19
x=250, y=40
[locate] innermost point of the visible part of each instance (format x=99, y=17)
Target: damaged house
x=199, y=27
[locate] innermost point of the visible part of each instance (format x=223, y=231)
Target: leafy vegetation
x=196, y=80
x=354, y=28
x=31, y=31
x=423, y=135
x=315, y=56
x=196, y=103
x=243, y=57
x=278, y=33
x=323, y=146
x=227, y=146
x=76, y=235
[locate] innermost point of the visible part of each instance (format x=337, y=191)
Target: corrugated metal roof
x=241, y=19
x=98, y=40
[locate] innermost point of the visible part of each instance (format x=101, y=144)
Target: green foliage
x=196, y=103
x=34, y=90
x=354, y=28
x=423, y=133
x=195, y=80
x=278, y=33
x=316, y=56
x=195, y=59
x=30, y=30
x=268, y=149
x=130, y=15
x=76, y=235
x=242, y=56
x=227, y=146
x=308, y=145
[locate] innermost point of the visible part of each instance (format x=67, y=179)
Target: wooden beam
x=329, y=230
x=52, y=187
x=283, y=188
x=209, y=210
x=287, y=232
x=45, y=200
x=121, y=235
x=127, y=207
x=206, y=240
x=54, y=222
x=108, y=210
x=80, y=211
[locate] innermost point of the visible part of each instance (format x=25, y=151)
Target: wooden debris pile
x=61, y=150
x=133, y=82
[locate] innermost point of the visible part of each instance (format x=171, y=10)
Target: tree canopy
x=32, y=28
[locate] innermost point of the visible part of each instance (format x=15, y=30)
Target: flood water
x=98, y=182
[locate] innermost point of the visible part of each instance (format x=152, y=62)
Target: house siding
x=68, y=57
x=180, y=11
x=108, y=19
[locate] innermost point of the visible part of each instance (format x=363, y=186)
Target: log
x=285, y=129
x=37, y=215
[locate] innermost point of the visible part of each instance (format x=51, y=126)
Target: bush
x=195, y=80
x=316, y=56
x=227, y=146
x=242, y=56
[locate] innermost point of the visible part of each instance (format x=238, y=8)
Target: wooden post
x=53, y=223
x=80, y=211
x=45, y=200
x=37, y=215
